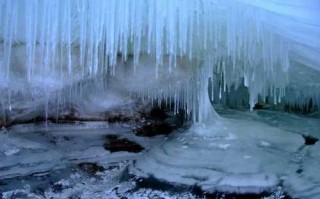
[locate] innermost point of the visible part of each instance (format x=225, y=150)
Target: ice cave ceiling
x=66, y=49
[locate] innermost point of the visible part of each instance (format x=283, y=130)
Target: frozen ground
x=243, y=152
x=263, y=152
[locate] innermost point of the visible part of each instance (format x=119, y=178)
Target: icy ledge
x=238, y=156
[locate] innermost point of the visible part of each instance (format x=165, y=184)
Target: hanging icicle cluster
x=68, y=40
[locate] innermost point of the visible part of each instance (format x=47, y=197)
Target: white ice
x=217, y=163
x=61, y=49
x=46, y=45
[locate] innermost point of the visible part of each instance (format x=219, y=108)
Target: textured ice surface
x=240, y=155
x=105, y=185
x=29, y=149
x=46, y=166
x=306, y=184
x=234, y=156
x=256, y=151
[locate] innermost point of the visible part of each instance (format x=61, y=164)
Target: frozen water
x=240, y=155
x=29, y=149
x=251, y=154
x=48, y=163
x=48, y=45
x=217, y=163
x=59, y=52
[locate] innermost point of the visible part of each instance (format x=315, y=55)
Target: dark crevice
x=90, y=168
x=156, y=184
x=115, y=144
x=299, y=171
x=309, y=140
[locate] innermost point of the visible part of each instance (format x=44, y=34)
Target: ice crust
x=239, y=155
x=241, y=152
x=30, y=149
x=231, y=158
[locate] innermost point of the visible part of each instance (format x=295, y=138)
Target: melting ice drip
x=64, y=41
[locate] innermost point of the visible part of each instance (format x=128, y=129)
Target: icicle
x=250, y=43
x=9, y=29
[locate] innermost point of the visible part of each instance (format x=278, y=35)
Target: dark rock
x=305, y=109
x=261, y=106
x=115, y=144
x=153, y=129
x=156, y=184
x=2, y=123
x=299, y=171
x=2, y=183
x=157, y=113
x=53, y=142
x=241, y=196
x=112, y=137
x=309, y=140
x=57, y=188
x=112, y=118
x=111, y=167
x=258, y=106
x=74, y=197
x=90, y=168
x=130, y=112
x=39, y=191
x=66, y=138
x=115, y=189
x=69, y=113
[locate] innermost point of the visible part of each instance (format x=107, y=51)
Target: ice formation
x=62, y=51
x=236, y=157
x=233, y=156
x=48, y=45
